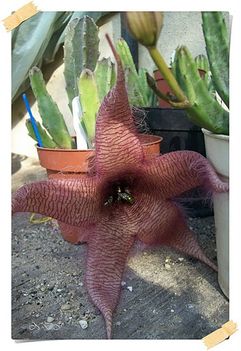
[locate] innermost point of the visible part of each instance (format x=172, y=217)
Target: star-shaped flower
x=128, y=197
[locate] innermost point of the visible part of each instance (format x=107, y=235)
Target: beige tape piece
x=20, y=15
x=220, y=334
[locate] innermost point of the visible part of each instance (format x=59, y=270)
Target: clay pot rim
x=156, y=139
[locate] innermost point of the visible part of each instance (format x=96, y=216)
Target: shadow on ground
x=181, y=300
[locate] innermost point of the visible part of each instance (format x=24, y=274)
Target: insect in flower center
x=120, y=193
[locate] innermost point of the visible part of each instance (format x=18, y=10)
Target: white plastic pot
x=217, y=151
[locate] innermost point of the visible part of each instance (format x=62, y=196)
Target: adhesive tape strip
x=20, y=15
x=220, y=334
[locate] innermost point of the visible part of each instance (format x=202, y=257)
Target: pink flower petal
x=176, y=172
x=163, y=223
x=108, y=248
x=116, y=143
x=71, y=201
x=72, y=234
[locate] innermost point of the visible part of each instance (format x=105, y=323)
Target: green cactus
x=80, y=51
x=46, y=139
x=190, y=92
x=89, y=101
x=202, y=63
x=105, y=77
x=217, y=46
x=137, y=92
x=204, y=109
x=52, y=118
x=150, y=96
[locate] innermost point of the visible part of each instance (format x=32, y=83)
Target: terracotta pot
x=61, y=163
x=164, y=88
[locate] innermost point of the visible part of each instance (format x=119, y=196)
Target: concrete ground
x=165, y=295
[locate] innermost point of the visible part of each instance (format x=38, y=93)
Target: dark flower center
x=119, y=193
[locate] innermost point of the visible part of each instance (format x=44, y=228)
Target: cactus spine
x=52, y=118
x=217, y=46
x=80, y=51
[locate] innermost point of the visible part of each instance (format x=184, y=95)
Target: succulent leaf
x=52, y=118
x=46, y=139
x=89, y=101
x=217, y=46
x=81, y=50
x=205, y=110
x=137, y=91
x=104, y=76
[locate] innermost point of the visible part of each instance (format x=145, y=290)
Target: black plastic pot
x=180, y=134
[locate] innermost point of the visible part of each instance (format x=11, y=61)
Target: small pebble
x=50, y=319
x=167, y=266
x=180, y=259
x=190, y=306
x=172, y=311
x=129, y=288
x=65, y=307
x=123, y=283
x=59, y=290
x=83, y=324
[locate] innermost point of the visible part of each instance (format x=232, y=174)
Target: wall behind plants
x=179, y=28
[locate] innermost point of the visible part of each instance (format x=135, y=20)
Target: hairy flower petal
x=176, y=172
x=163, y=223
x=73, y=234
x=116, y=143
x=108, y=248
x=71, y=201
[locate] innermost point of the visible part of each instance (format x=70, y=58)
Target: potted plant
x=88, y=80
x=202, y=105
x=127, y=197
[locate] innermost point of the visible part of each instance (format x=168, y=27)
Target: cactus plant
x=204, y=109
x=202, y=63
x=105, y=76
x=217, y=46
x=90, y=79
x=191, y=92
x=80, y=51
x=46, y=139
x=139, y=92
x=90, y=103
x=52, y=118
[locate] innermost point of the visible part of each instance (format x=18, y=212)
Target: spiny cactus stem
x=167, y=74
